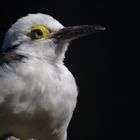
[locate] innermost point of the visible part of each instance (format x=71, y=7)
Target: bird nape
x=38, y=93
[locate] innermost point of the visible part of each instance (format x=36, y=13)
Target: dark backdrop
x=105, y=65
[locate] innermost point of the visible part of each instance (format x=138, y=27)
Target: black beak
x=74, y=32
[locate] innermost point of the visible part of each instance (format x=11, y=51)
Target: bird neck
x=60, y=52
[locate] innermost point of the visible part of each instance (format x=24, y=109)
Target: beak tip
x=100, y=28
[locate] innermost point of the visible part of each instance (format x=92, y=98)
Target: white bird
x=37, y=92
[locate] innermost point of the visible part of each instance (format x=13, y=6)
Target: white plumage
x=37, y=92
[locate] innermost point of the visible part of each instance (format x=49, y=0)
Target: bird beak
x=74, y=32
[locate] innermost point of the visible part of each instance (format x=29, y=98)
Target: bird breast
x=39, y=91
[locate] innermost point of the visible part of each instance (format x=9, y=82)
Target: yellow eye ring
x=39, y=32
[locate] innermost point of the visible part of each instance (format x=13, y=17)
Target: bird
x=38, y=93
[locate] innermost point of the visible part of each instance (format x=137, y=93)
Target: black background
x=106, y=65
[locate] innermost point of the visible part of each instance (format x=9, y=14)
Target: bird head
x=42, y=36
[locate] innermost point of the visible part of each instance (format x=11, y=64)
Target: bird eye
x=39, y=32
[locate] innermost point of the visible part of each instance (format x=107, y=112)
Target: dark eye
x=38, y=33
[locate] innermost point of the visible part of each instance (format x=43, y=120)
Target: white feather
x=38, y=94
